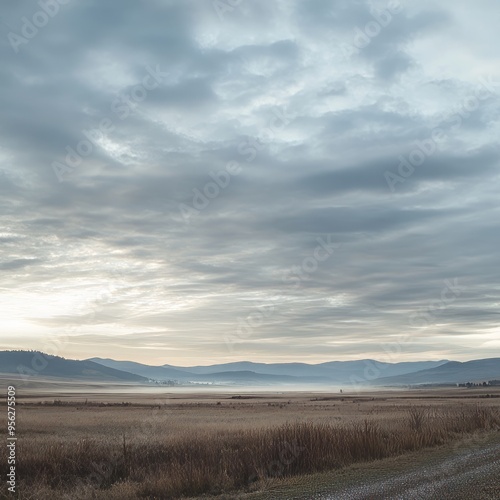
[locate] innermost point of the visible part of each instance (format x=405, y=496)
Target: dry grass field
x=107, y=445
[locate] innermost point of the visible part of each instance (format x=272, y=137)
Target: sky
x=195, y=182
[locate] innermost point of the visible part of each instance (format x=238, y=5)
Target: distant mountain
x=167, y=372
x=452, y=372
x=334, y=372
x=382, y=369
x=44, y=365
x=250, y=377
x=359, y=372
x=153, y=372
x=290, y=369
x=340, y=371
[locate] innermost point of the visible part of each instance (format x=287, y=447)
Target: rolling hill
x=241, y=376
x=332, y=369
x=44, y=365
x=335, y=372
x=453, y=372
x=153, y=372
x=359, y=372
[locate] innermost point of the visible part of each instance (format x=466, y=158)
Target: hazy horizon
x=290, y=361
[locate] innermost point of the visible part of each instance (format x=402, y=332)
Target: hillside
x=44, y=365
x=248, y=373
x=334, y=372
x=453, y=372
x=153, y=372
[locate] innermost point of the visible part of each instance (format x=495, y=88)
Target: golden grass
x=83, y=455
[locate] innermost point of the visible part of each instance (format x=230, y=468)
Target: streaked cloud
x=270, y=125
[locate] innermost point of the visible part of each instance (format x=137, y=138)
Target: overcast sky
x=196, y=182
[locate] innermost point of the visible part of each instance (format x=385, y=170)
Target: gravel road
x=471, y=475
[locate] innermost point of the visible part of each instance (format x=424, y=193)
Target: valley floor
x=102, y=443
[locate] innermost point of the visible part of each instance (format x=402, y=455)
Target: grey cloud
x=114, y=227
x=17, y=264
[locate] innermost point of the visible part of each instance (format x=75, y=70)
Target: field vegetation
x=120, y=451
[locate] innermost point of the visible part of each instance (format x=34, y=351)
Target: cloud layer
x=192, y=182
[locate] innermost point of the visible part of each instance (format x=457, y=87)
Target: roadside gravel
x=470, y=474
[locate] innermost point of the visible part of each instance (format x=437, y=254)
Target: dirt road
x=467, y=469
x=471, y=475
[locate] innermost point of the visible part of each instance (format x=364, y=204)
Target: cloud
x=150, y=241
x=17, y=264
